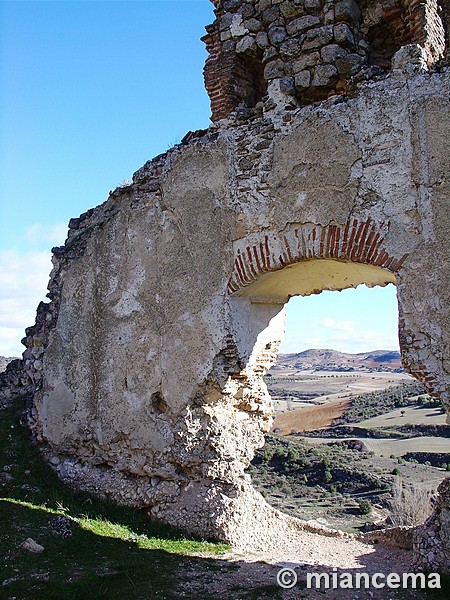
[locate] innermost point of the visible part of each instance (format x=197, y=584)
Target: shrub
x=328, y=477
x=365, y=508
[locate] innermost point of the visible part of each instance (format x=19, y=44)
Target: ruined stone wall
x=431, y=541
x=166, y=302
x=309, y=50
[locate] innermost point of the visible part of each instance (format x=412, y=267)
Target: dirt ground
x=309, y=417
x=255, y=575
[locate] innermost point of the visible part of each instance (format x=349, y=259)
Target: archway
x=343, y=441
x=302, y=260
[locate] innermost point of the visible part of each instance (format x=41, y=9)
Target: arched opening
x=248, y=76
x=386, y=27
x=354, y=445
x=383, y=44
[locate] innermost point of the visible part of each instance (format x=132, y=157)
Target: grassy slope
x=113, y=552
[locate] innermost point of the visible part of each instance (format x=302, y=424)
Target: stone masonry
x=308, y=50
x=326, y=166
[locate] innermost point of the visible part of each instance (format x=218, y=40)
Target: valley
x=355, y=441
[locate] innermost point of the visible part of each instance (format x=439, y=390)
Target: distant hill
x=333, y=360
x=4, y=360
x=321, y=360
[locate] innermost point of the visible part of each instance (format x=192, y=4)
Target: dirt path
x=254, y=575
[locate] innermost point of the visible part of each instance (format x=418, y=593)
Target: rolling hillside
x=333, y=360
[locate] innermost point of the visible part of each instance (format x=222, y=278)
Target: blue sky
x=89, y=91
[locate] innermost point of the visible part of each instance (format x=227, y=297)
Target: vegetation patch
x=394, y=432
x=435, y=459
x=295, y=473
x=83, y=545
x=366, y=406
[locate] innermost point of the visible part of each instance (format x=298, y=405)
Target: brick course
x=355, y=241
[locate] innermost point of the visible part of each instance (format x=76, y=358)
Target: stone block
x=409, y=56
x=325, y=76
x=277, y=34
x=246, y=11
x=289, y=10
x=347, y=10
x=287, y=85
x=349, y=65
x=292, y=47
x=274, y=69
x=271, y=14
x=228, y=46
x=302, y=81
x=316, y=38
x=328, y=16
x=246, y=45
x=231, y=5
x=313, y=4
x=263, y=5
x=306, y=60
x=302, y=24
x=225, y=21
x=269, y=54
x=332, y=52
x=343, y=34
x=262, y=39
x=253, y=25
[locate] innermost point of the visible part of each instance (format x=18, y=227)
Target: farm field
x=291, y=390
x=396, y=447
x=310, y=417
x=341, y=438
x=388, y=447
x=413, y=415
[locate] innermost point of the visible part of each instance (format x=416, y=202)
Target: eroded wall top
x=303, y=51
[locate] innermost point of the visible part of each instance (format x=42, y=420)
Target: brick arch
x=356, y=241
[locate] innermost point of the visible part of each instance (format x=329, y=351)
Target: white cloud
x=345, y=336
x=23, y=284
x=50, y=235
x=329, y=323
x=351, y=336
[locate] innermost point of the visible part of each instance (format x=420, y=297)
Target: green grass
x=113, y=551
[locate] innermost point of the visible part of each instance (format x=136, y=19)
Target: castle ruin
x=326, y=166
